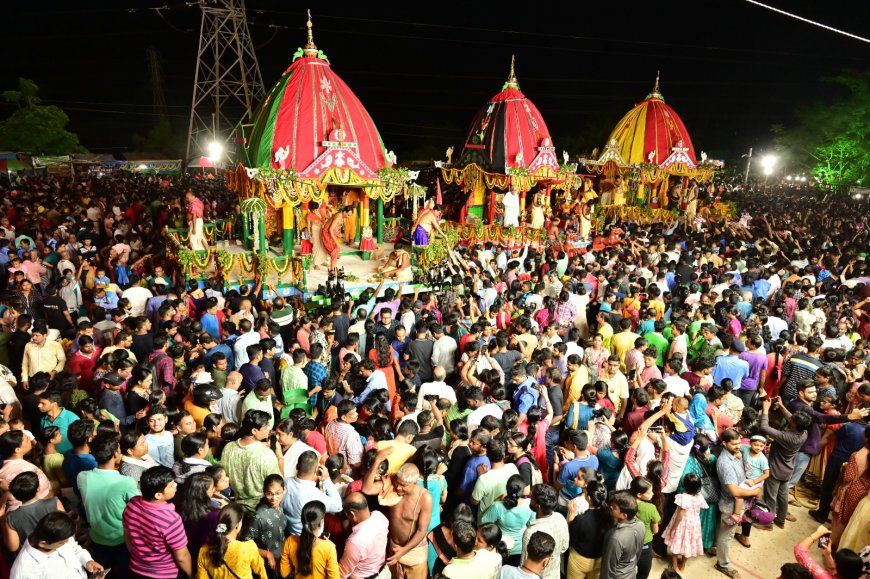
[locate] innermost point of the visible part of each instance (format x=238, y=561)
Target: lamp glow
x=768, y=163
x=215, y=150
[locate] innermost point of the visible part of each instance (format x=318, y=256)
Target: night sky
x=730, y=69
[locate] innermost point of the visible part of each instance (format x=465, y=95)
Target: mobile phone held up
x=824, y=541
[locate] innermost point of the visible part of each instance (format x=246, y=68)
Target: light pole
x=748, y=164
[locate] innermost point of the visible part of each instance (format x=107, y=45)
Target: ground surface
x=769, y=550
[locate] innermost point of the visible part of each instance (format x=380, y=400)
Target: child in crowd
x=648, y=514
x=683, y=534
x=757, y=469
x=268, y=527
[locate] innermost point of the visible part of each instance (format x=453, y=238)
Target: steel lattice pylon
x=228, y=85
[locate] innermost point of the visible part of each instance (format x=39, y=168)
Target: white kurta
x=511, y=204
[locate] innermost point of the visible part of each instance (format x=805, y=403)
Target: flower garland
x=274, y=264
x=638, y=214
x=261, y=262
x=438, y=250
x=479, y=232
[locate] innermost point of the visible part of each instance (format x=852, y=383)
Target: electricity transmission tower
x=157, y=96
x=228, y=85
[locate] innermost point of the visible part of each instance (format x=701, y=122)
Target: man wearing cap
x=729, y=365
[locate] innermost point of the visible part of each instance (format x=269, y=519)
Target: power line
x=56, y=101
x=808, y=21
x=548, y=35
x=107, y=111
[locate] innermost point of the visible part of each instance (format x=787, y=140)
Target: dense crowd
x=548, y=413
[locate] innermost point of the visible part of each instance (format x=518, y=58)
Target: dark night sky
x=730, y=69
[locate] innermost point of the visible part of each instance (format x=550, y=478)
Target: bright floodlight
x=768, y=162
x=788, y=178
x=215, y=150
x=803, y=178
x=142, y=167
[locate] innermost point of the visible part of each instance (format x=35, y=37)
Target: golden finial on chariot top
x=310, y=48
x=512, y=77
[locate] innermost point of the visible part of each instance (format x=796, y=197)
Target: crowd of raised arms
x=542, y=415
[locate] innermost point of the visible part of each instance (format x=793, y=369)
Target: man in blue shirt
x=55, y=415
x=729, y=469
x=212, y=347
x=574, y=456
x=524, y=392
x=477, y=445
x=316, y=373
x=250, y=370
x=79, y=459
x=375, y=380
x=729, y=365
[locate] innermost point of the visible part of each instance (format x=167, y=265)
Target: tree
x=833, y=139
x=35, y=128
x=160, y=139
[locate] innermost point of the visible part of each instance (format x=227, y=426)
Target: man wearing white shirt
x=535, y=301
x=247, y=337
x=478, y=414
x=676, y=385
x=573, y=348
x=443, y=350
x=51, y=552
x=511, y=202
x=295, y=446
x=408, y=319
x=776, y=325
x=138, y=297
x=436, y=388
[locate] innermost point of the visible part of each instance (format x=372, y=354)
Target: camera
x=430, y=398
x=824, y=541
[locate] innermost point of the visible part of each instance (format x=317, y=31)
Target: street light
x=215, y=150
x=768, y=163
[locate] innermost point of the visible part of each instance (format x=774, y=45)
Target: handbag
x=255, y=575
x=709, y=485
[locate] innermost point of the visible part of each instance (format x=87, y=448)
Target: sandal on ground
x=791, y=518
x=743, y=540
x=726, y=571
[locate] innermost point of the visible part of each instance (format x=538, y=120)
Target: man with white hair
x=438, y=388
x=408, y=548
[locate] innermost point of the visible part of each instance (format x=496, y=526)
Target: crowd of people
x=543, y=415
